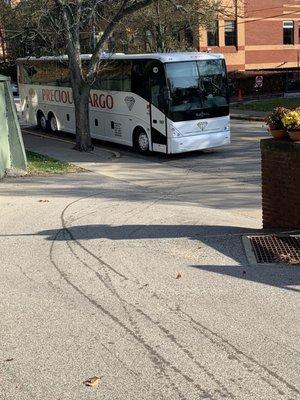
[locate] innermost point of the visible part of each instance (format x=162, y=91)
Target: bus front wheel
x=141, y=141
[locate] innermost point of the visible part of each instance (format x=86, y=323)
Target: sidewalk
x=62, y=149
x=219, y=180
x=248, y=115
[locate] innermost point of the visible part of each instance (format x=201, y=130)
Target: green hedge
x=273, y=82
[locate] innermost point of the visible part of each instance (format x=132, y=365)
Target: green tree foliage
x=157, y=28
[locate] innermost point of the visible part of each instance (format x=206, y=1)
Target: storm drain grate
x=276, y=249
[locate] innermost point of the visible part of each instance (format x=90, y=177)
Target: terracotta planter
x=295, y=136
x=279, y=134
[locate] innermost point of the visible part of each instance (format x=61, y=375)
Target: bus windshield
x=198, y=89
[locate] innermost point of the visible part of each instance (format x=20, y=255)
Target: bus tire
x=53, y=127
x=141, y=141
x=42, y=121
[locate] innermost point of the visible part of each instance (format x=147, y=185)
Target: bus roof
x=163, y=57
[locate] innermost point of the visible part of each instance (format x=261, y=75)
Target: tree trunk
x=80, y=86
x=2, y=41
x=81, y=103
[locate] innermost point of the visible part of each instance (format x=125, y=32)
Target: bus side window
x=114, y=75
x=46, y=73
x=126, y=76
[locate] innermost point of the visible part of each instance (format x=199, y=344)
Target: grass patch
x=43, y=165
x=269, y=104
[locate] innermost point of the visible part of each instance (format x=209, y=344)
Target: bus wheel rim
x=53, y=124
x=43, y=122
x=143, y=141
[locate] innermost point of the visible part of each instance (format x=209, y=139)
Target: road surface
x=135, y=272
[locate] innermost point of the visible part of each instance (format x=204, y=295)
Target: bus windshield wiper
x=213, y=84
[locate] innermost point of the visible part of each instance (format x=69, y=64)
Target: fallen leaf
x=143, y=286
x=288, y=259
x=178, y=276
x=94, y=381
x=43, y=201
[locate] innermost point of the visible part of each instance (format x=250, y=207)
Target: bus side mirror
x=167, y=95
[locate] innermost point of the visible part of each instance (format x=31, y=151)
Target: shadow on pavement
x=284, y=277
x=133, y=232
x=224, y=239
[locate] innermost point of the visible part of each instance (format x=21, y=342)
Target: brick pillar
x=280, y=183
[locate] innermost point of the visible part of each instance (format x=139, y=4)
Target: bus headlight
x=175, y=132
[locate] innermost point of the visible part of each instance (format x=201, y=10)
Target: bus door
x=157, y=83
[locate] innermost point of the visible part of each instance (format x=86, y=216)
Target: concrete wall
x=4, y=144
x=12, y=152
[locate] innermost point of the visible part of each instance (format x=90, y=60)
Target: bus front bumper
x=198, y=141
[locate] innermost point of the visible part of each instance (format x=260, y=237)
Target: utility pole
x=298, y=64
x=236, y=23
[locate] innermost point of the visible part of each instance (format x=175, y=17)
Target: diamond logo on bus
x=202, y=125
x=130, y=101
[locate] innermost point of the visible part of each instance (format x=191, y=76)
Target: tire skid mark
x=130, y=370
x=214, y=337
x=158, y=360
x=136, y=329
x=225, y=345
x=106, y=281
x=221, y=343
x=134, y=324
x=173, y=339
x=103, y=263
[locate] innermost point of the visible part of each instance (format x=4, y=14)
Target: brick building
x=260, y=35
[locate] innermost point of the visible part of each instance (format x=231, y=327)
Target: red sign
x=65, y=97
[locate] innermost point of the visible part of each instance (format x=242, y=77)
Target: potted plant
x=275, y=123
x=291, y=122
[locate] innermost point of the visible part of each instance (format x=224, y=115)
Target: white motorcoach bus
x=170, y=103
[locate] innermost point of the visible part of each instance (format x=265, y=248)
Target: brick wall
x=280, y=184
x=264, y=32
x=260, y=35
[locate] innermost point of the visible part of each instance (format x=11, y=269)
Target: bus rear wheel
x=53, y=123
x=141, y=141
x=42, y=121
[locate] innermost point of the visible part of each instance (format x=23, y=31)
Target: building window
x=213, y=35
x=288, y=32
x=230, y=33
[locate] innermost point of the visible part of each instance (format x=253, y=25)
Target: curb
x=115, y=153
